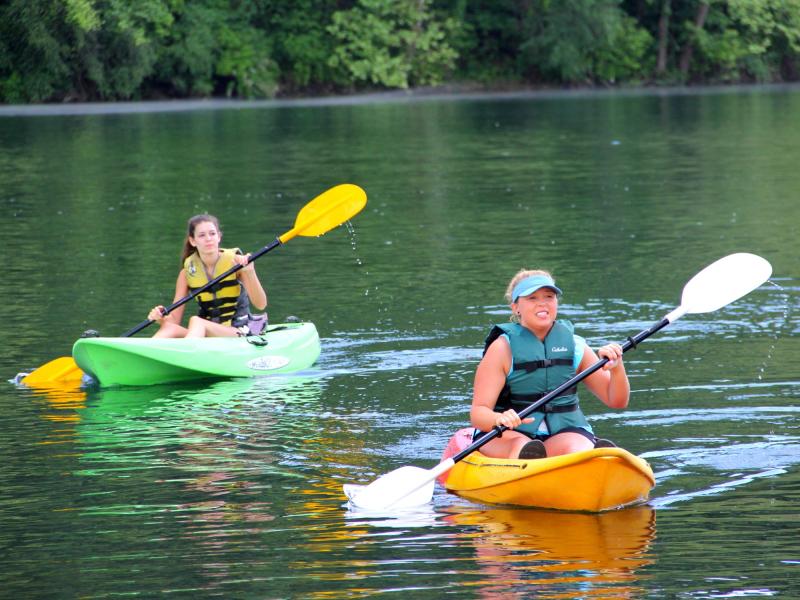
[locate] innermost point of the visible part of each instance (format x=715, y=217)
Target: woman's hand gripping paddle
x=717, y=285
x=328, y=210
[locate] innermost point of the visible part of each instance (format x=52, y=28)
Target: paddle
x=718, y=284
x=328, y=210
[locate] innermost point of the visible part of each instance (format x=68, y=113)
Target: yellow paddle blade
x=62, y=370
x=328, y=210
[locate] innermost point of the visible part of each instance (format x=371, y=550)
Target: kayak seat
x=604, y=443
x=533, y=449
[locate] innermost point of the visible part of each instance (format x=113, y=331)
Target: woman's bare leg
x=170, y=330
x=507, y=446
x=566, y=443
x=199, y=327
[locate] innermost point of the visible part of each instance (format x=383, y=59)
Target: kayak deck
x=591, y=481
x=290, y=347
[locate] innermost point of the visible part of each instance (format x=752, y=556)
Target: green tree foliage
x=392, y=43
x=213, y=48
x=748, y=39
x=489, y=40
x=61, y=50
x=736, y=40
x=580, y=41
x=119, y=53
x=301, y=43
x=117, y=49
x=35, y=50
x=244, y=60
x=185, y=62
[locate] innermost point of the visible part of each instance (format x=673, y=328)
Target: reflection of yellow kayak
x=594, y=555
x=593, y=481
x=611, y=540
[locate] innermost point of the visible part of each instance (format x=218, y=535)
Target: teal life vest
x=538, y=368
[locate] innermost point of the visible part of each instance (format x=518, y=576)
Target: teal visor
x=530, y=284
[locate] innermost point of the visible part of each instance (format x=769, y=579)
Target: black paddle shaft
x=274, y=244
x=498, y=430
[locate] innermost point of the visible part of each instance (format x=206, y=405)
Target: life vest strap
x=217, y=287
x=532, y=365
x=212, y=314
x=528, y=399
x=219, y=302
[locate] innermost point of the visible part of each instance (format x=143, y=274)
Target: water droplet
x=776, y=326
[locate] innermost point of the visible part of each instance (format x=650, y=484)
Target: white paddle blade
x=405, y=487
x=724, y=281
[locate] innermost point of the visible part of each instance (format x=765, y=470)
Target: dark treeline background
x=79, y=50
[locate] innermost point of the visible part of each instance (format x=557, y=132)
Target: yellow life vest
x=225, y=302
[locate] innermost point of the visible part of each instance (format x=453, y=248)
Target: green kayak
x=110, y=361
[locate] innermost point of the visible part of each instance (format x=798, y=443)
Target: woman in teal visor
x=527, y=358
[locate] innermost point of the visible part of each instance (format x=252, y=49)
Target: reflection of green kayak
x=144, y=361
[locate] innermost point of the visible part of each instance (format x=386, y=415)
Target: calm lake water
x=232, y=489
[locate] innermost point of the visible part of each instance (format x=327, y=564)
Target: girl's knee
x=197, y=327
x=169, y=330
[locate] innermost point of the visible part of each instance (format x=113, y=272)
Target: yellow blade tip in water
x=62, y=370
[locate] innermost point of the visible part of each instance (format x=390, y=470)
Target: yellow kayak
x=592, y=481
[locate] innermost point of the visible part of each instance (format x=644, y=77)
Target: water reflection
x=243, y=411
x=505, y=552
x=199, y=464
x=522, y=553
x=208, y=438
x=92, y=404
x=62, y=404
x=425, y=515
